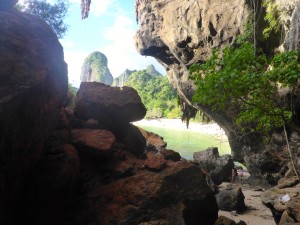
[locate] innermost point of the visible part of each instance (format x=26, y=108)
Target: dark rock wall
x=33, y=86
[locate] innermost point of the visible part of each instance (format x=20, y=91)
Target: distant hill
x=121, y=80
x=152, y=71
x=95, y=68
x=157, y=94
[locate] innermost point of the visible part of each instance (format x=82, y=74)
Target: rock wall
x=33, y=86
x=180, y=33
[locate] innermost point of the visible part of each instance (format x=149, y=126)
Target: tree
x=157, y=94
x=247, y=79
x=52, y=14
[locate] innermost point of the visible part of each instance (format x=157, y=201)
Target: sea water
x=186, y=142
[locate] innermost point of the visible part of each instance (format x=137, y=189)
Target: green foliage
x=272, y=17
x=248, y=33
x=72, y=92
x=53, y=14
x=157, y=94
x=248, y=81
x=173, y=113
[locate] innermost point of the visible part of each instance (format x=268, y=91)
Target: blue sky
x=109, y=29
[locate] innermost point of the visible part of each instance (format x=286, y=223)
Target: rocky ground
x=256, y=213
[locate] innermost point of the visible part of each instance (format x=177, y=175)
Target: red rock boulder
x=112, y=108
x=108, y=105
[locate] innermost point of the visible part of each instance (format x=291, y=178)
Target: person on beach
x=234, y=176
x=241, y=175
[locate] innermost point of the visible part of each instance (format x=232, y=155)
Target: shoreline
x=177, y=124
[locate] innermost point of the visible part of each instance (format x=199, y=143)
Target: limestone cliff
x=95, y=68
x=180, y=33
x=120, y=80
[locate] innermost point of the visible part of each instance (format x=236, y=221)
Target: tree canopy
x=157, y=94
x=53, y=14
x=242, y=75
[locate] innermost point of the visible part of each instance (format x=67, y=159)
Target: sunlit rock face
x=180, y=33
x=33, y=86
x=291, y=23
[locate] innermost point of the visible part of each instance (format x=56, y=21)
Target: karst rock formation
x=94, y=68
x=180, y=33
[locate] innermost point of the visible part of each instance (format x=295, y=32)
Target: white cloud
x=67, y=43
x=100, y=7
x=121, y=52
x=74, y=59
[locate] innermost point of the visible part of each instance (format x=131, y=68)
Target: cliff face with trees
x=159, y=97
x=181, y=34
x=157, y=94
x=95, y=68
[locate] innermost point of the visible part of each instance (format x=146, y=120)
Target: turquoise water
x=187, y=142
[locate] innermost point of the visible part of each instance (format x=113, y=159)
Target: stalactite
x=85, y=8
x=188, y=112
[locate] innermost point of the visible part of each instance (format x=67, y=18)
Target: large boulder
x=33, y=86
x=219, y=167
x=231, y=199
x=176, y=195
x=112, y=108
x=284, y=201
x=108, y=105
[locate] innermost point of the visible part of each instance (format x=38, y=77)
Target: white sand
x=177, y=124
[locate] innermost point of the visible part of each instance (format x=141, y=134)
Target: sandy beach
x=177, y=124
